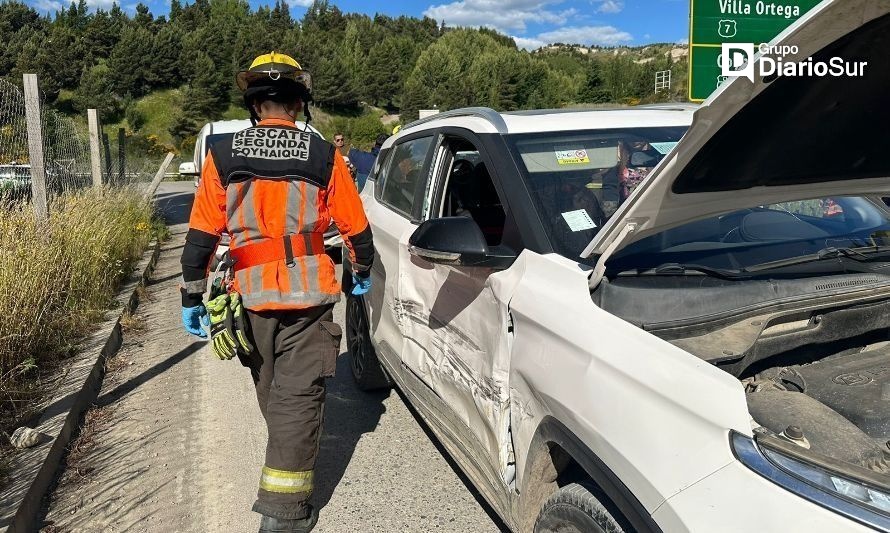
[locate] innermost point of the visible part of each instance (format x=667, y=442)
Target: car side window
x=468, y=190
x=403, y=171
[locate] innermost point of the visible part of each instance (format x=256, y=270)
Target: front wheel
x=578, y=508
x=366, y=368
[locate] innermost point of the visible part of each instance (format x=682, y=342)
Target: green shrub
x=135, y=118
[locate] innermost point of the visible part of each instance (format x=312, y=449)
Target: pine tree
x=175, y=9
x=129, y=62
x=166, y=48
x=143, y=17
x=100, y=35
x=96, y=91
x=333, y=83
x=594, y=90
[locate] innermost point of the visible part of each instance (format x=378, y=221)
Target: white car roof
x=582, y=119
x=484, y=120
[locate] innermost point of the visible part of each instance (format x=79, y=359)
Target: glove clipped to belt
x=228, y=327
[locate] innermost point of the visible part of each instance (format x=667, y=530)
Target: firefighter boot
x=270, y=524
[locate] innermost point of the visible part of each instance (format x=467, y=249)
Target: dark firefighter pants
x=294, y=351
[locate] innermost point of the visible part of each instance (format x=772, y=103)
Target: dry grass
x=59, y=277
x=77, y=464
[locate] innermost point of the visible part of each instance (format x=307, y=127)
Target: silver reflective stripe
x=239, y=204
x=195, y=287
x=241, y=279
x=256, y=278
x=251, y=224
x=310, y=218
x=302, y=299
x=292, y=208
x=232, y=203
x=312, y=265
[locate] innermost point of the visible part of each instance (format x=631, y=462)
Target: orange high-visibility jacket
x=275, y=189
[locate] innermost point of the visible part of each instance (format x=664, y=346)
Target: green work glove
x=221, y=338
x=239, y=323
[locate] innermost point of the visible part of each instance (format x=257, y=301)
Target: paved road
x=179, y=440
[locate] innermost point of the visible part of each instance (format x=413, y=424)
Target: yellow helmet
x=271, y=68
x=396, y=129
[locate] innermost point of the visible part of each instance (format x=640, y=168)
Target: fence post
x=158, y=177
x=95, y=158
x=35, y=146
x=109, y=179
x=121, y=158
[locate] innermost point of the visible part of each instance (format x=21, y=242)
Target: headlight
x=867, y=503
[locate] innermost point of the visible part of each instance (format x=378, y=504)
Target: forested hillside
x=113, y=59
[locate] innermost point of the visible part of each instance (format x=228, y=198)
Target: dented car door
x=455, y=324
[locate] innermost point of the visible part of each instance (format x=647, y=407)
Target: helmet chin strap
x=307, y=113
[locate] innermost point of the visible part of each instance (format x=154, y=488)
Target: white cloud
x=51, y=6
x=588, y=35
x=503, y=15
x=528, y=43
x=683, y=41
x=48, y=6
x=609, y=6
x=299, y=3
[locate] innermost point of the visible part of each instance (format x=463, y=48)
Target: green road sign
x=714, y=22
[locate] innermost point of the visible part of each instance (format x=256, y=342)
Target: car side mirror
x=188, y=169
x=457, y=241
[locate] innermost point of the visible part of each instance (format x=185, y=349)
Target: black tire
x=366, y=369
x=578, y=508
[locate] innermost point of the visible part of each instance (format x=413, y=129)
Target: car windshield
x=818, y=235
x=578, y=179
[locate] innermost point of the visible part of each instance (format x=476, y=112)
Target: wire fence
x=66, y=152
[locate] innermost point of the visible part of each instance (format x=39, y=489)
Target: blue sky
x=531, y=22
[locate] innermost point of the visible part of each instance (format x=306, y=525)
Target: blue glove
x=360, y=286
x=193, y=317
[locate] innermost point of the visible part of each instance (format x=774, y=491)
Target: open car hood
x=776, y=139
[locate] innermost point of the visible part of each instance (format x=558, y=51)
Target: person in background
x=340, y=144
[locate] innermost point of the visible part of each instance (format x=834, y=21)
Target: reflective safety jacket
x=275, y=189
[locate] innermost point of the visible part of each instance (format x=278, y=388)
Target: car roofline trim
x=565, y=110
x=485, y=113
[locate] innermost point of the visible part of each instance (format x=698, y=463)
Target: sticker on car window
x=578, y=220
x=572, y=157
x=664, y=148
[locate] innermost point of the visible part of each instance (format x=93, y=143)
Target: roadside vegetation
x=58, y=278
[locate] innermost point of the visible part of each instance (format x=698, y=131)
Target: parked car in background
x=615, y=324
x=15, y=181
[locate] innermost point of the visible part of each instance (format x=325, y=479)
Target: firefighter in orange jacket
x=275, y=189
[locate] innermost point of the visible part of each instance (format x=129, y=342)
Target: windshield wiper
x=679, y=269
x=857, y=254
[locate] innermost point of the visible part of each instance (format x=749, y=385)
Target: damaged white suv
x=611, y=331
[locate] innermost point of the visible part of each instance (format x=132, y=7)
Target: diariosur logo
x=738, y=59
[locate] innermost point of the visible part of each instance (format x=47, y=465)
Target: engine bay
x=816, y=373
